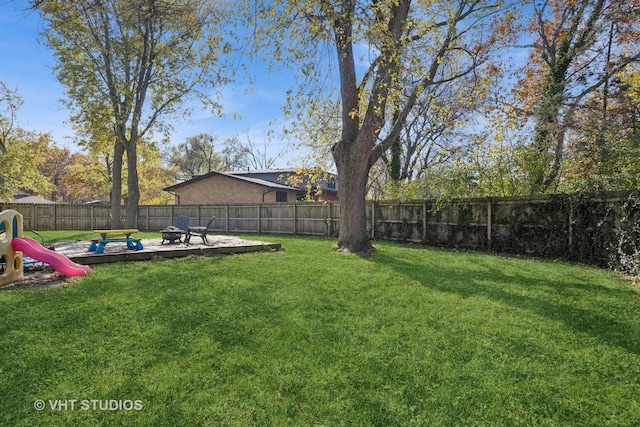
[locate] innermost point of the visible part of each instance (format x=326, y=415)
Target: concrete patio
x=153, y=249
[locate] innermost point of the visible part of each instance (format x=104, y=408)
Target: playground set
x=14, y=246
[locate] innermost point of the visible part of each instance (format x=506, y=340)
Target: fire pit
x=171, y=234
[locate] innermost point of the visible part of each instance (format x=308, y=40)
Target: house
x=267, y=186
x=224, y=188
x=325, y=189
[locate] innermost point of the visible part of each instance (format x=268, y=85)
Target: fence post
x=259, y=216
x=373, y=219
x=226, y=214
x=424, y=222
x=295, y=219
x=489, y=225
x=570, y=231
x=326, y=210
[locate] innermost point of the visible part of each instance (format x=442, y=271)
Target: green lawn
x=306, y=336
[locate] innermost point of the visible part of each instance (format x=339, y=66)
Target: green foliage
x=26, y=151
x=88, y=178
x=127, y=65
x=154, y=177
x=578, y=49
x=607, y=148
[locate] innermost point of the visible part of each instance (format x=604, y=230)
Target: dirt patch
x=37, y=277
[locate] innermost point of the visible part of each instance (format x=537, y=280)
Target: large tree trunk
x=116, y=186
x=353, y=173
x=354, y=154
x=133, y=189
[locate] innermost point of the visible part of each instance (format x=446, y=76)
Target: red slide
x=59, y=262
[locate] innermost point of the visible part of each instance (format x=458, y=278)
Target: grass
x=306, y=336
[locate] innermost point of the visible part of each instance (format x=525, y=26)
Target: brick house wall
x=220, y=189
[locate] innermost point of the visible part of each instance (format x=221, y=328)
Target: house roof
x=256, y=181
x=278, y=173
x=273, y=171
x=260, y=171
x=22, y=197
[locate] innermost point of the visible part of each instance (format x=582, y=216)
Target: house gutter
x=174, y=195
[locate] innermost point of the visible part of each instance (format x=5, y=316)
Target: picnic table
x=111, y=236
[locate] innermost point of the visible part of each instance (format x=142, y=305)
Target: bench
x=98, y=245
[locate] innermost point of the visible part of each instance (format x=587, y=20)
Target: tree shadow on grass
x=522, y=290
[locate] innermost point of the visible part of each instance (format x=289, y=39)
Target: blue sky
x=26, y=66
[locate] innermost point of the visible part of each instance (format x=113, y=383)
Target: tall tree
x=578, y=46
x=10, y=102
x=410, y=46
x=135, y=62
x=198, y=156
x=251, y=153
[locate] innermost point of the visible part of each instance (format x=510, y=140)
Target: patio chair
x=200, y=231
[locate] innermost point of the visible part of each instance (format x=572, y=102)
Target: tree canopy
x=579, y=48
x=127, y=64
x=407, y=49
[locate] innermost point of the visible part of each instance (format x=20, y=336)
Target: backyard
x=306, y=336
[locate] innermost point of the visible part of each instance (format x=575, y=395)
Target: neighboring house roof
x=261, y=171
x=281, y=175
x=256, y=181
x=22, y=197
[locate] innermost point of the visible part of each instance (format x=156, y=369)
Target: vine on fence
x=625, y=254
x=592, y=229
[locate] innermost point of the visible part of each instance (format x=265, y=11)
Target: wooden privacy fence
x=313, y=219
x=310, y=219
x=580, y=227
x=601, y=229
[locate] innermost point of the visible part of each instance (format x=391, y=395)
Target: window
x=281, y=196
x=331, y=183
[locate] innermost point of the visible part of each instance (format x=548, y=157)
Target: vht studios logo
x=88, y=405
